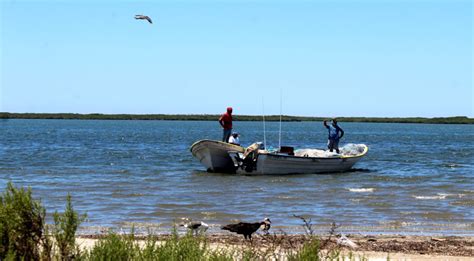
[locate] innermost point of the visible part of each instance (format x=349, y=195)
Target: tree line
x=213, y=117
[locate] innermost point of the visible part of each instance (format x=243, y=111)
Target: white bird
x=196, y=226
x=143, y=17
x=344, y=241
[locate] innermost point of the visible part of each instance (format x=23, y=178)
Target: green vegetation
x=126, y=247
x=309, y=251
x=114, y=247
x=24, y=236
x=21, y=225
x=64, y=230
x=210, y=117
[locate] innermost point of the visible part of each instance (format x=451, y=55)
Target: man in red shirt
x=226, y=122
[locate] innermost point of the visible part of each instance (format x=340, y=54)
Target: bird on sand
x=143, y=17
x=247, y=229
x=196, y=226
x=344, y=241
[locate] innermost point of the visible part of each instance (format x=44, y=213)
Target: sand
x=396, y=247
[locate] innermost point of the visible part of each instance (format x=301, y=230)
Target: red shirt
x=227, y=121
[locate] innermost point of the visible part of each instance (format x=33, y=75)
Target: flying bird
x=143, y=17
x=247, y=229
x=196, y=226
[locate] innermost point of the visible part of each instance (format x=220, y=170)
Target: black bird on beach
x=143, y=17
x=247, y=229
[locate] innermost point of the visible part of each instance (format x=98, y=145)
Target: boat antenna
x=279, y=134
x=264, y=135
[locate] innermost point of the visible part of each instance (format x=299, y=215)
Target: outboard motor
x=248, y=160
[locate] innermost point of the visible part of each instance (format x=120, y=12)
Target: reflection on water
x=416, y=178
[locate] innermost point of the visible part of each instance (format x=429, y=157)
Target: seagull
x=344, y=241
x=247, y=229
x=196, y=226
x=143, y=17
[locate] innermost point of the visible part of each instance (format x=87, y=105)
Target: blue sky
x=328, y=58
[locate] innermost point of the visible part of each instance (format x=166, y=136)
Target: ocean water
x=416, y=178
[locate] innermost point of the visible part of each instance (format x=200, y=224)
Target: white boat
x=214, y=155
x=224, y=157
x=299, y=163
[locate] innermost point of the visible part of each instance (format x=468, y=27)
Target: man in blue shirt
x=335, y=134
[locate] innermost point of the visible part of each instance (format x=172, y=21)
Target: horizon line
x=214, y=114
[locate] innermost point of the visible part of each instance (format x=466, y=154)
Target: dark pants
x=226, y=136
x=333, y=144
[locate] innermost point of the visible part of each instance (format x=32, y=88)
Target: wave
x=361, y=189
x=453, y=165
x=440, y=196
x=452, y=195
x=430, y=197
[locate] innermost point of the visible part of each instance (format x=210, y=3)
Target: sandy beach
x=395, y=247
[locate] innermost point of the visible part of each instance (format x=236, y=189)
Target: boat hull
x=270, y=163
x=214, y=155
x=279, y=164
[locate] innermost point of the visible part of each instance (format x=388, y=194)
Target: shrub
x=21, y=224
x=64, y=230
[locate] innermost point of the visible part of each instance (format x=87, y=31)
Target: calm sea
x=416, y=179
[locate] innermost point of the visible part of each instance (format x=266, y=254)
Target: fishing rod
x=264, y=135
x=279, y=133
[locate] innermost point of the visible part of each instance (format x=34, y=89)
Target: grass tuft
x=114, y=247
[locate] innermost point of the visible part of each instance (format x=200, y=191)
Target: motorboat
x=223, y=157
x=214, y=155
x=306, y=161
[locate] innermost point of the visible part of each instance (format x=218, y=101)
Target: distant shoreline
x=214, y=117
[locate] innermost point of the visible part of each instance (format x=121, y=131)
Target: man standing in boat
x=226, y=122
x=335, y=134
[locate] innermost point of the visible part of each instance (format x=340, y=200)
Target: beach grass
x=125, y=247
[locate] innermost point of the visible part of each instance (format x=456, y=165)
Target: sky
x=314, y=58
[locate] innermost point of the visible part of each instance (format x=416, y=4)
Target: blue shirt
x=333, y=132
